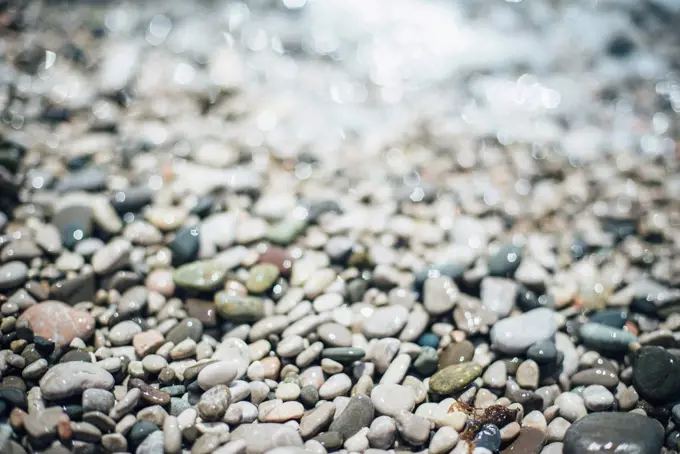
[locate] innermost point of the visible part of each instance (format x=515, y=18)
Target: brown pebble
x=202, y=310
x=149, y=393
x=457, y=353
x=147, y=342
x=279, y=257
x=166, y=376
x=64, y=430
x=16, y=419
x=529, y=441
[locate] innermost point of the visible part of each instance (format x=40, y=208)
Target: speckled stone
x=454, y=378
x=59, y=322
x=239, y=308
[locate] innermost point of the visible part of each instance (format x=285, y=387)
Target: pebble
x=454, y=378
x=343, y=355
x=389, y=399
x=12, y=274
x=415, y=429
x=528, y=374
x=439, y=294
x=529, y=440
x=112, y=257
x=214, y=403
x=654, y=374
x=358, y=413
x=317, y=420
x=262, y=277
x=99, y=400
x=386, y=321
x=456, y=353
x=597, y=398
x=443, y=440
x=239, y=308
x=191, y=328
x=571, y=406
x=153, y=444
x=59, y=322
x=498, y=295
x=262, y=437
x=70, y=379
x=505, y=261
x=202, y=276
x=382, y=432
x=557, y=428
x=614, y=432
x=335, y=335
x=335, y=386
x=488, y=437
x=511, y=336
x=605, y=338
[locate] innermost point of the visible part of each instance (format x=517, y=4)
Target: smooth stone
x=189, y=328
x=415, y=429
x=335, y=386
x=505, y=261
x=286, y=411
x=510, y=335
x=166, y=218
x=614, y=433
x=239, y=308
x=99, y=400
x=279, y=257
x=214, y=403
x=105, y=216
x=335, y=335
x=23, y=250
x=443, y=440
x=571, y=406
x=382, y=432
x=428, y=340
x=426, y=362
x=528, y=374
x=454, y=378
x=358, y=413
x=140, y=431
x=529, y=441
x=390, y=399
x=655, y=373
x=543, y=352
x=131, y=199
x=185, y=246
x=385, y=321
x=42, y=426
x=605, y=338
x=597, y=398
x=498, y=295
x=59, y=322
x=74, y=223
x=439, y=294
x=456, y=353
x=595, y=376
x=70, y=379
x=557, y=428
x=48, y=237
x=123, y=332
x=203, y=276
x=262, y=437
x=331, y=441
x=284, y=232
x=88, y=179
x=343, y=355
x=262, y=277
x=317, y=420
x=153, y=444
x=614, y=318
x=219, y=373
x=12, y=274
x=489, y=437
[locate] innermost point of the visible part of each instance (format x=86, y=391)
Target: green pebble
x=262, y=277
x=343, y=355
x=454, y=378
x=203, y=276
x=239, y=308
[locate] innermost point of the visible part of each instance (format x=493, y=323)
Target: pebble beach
x=311, y=227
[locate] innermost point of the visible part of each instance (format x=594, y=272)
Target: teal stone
x=605, y=338
x=428, y=340
x=203, y=276
x=262, y=277
x=239, y=308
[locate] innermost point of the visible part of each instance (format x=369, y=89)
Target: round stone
x=597, y=398
x=511, y=335
x=59, y=322
x=203, y=276
x=12, y=274
x=456, y=353
x=655, y=374
x=219, y=373
x=239, y=308
x=386, y=321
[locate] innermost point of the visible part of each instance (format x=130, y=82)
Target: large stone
x=614, y=433
x=70, y=379
x=515, y=335
x=358, y=413
x=655, y=374
x=59, y=322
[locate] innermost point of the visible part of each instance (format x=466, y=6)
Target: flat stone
x=605, y=338
x=189, y=328
x=498, y=295
x=390, y=399
x=595, y=376
x=358, y=413
x=123, y=332
x=203, y=276
x=511, y=336
x=343, y=355
x=335, y=335
x=131, y=199
x=529, y=441
x=23, y=250
x=59, y=322
x=12, y=274
x=239, y=308
x=262, y=437
x=218, y=373
x=415, y=429
x=317, y=420
x=70, y=379
x=597, y=398
x=286, y=411
x=454, y=378
x=385, y=321
x=336, y=385
x=614, y=433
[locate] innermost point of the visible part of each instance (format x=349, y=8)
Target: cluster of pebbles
x=168, y=286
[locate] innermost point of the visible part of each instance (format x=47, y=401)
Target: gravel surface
x=339, y=226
